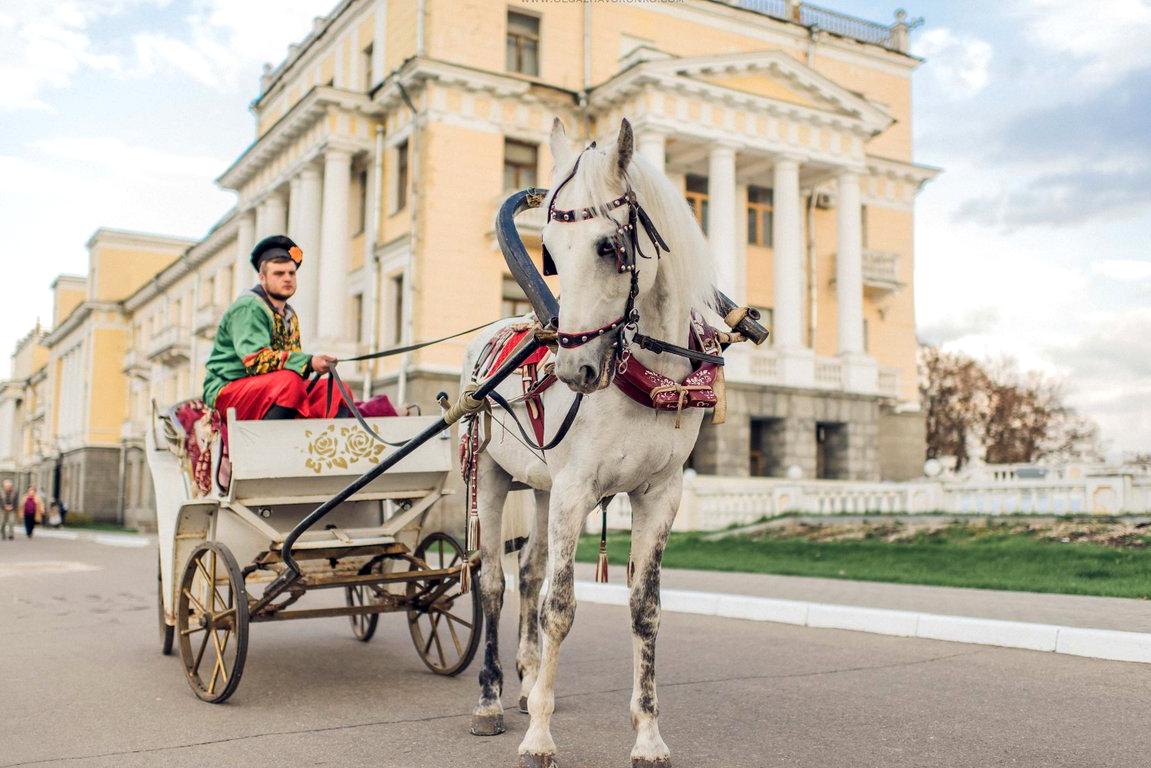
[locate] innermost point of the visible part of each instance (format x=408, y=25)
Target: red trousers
x=252, y=396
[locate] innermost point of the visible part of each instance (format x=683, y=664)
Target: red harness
x=643, y=385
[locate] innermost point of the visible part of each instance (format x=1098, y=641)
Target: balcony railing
x=170, y=345
x=889, y=382
x=893, y=37
x=135, y=364
x=881, y=270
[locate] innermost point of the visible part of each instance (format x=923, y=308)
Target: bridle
x=625, y=245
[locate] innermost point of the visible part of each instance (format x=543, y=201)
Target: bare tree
x=1015, y=417
x=953, y=388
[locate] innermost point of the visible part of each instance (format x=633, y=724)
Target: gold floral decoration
x=328, y=448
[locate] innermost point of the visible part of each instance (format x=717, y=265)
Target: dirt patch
x=1123, y=534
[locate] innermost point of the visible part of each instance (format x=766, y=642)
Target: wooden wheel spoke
x=452, y=617
x=200, y=655
x=190, y=596
x=436, y=637
x=455, y=637
x=213, y=593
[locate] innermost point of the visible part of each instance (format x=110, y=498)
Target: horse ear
x=561, y=149
x=624, y=146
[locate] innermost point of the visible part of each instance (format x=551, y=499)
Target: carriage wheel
x=212, y=622
x=446, y=631
x=167, y=632
x=364, y=624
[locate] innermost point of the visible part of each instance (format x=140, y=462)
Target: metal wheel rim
x=447, y=634
x=212, y=622
x=363, y=624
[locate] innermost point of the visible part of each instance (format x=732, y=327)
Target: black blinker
x=549, y=265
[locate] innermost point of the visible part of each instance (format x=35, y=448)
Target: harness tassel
x=601, y=561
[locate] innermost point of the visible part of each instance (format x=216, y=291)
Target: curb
x=1107, y=644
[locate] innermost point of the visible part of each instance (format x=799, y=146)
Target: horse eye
x=605, y=248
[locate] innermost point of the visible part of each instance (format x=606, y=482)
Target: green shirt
x=253, y=339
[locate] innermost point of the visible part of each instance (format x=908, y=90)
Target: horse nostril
x=588, y=374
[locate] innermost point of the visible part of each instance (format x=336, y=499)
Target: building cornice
x=131, y=239
x=900, y=170
x=415, y=73
x=76, y=319
x=849, y=110
x=302, y=116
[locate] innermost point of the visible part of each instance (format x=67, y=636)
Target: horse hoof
x=643, y=762
x=487, y=725
x=529, y=760
x=524, y=704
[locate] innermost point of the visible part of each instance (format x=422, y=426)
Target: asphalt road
x=82, y=683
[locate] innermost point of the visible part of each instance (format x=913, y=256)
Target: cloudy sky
x=1033, y=243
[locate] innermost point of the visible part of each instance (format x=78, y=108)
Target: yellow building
x=388, y=137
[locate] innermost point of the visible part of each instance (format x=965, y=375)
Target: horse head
x=596, y=238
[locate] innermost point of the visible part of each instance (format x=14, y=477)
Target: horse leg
x=652, y=516
x=493, y=484
x=533, y=561
x=569, y=506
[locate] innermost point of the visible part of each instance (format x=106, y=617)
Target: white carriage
x=223, y=563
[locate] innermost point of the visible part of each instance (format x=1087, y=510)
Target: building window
x=863, y=225
x=520, y=163
x=523, y=44
x=513, y=301
x=696, y=195
x=359, y=201
x=366, y=69
x=401, y=175
x=759, y=223
x=866, y=336
x=356, y=317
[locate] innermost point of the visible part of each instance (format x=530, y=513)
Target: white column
x=796, y=364
x=243, y=277
x=860, y=373
x=721, y=218
x=304, y=229
x=788, y=257
x=849, y=266
x=653, y=147
x=334, y=245
x=271, y=217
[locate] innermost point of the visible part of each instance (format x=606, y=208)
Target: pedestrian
x=8, y=500
x=33, y=507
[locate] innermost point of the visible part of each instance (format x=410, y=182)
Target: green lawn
x=957, y=556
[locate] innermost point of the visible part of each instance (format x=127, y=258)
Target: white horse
x=615, y=445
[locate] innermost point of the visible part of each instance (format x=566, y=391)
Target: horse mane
x=687, y=274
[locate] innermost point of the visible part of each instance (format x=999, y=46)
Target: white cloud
x=1123, y=270
x=960, y=64
x=1109, y=37
x=119, y=157
x=44, y=44
x=225, y=42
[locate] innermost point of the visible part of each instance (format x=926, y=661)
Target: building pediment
x=769, y=77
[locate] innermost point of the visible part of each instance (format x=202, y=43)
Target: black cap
x=276, y=248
